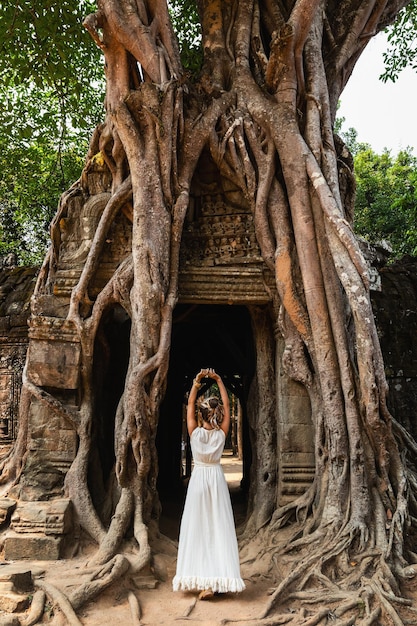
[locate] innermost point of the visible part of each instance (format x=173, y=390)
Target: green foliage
x=51, y=94
x=350, y=137
x=47, y=58
x=386, y=203
x=403, y=43
x=186, y=23
x=32, y=182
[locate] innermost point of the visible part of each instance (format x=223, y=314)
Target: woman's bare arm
x=225, y=425
x=191, y=418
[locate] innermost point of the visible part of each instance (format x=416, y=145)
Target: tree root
x=134, y=609
x=36, y=609
x=372, y=617
x=189, y=609
x=119, y=523
x=60, y=600
x=362, y=587
x=100, y=579
x=386, y=605
x=270, y=621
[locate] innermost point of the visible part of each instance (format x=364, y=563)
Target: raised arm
x=191, y=418
x=225, y=425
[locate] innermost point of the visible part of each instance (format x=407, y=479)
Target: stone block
x=53, y=517
x=37, y=547
x=296, y=438
x=20, y=578
x=43, y=420
x=54, y=363
x=40, y=479
x=13, y=602
x=145, y=582
x=67, y=443
x=295, y=409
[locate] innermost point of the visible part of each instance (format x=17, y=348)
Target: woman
x=208, y=558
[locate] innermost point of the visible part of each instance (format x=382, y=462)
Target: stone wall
x=16, y=287
x=395, y=309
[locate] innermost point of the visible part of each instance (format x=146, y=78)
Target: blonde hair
x=211, y=411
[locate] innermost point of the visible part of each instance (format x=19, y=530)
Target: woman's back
x=207, y=445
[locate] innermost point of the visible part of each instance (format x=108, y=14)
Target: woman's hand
x=212, y=374
x=202, y=374
x=207, y=373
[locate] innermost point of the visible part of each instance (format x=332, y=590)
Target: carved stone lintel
x=43, y=328
x=231, y=285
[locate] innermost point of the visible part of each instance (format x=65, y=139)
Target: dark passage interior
x=217, y=336
x=111, y=358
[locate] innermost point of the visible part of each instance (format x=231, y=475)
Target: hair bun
x=212, y=411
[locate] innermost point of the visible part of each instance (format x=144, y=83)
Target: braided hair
x=212, y=411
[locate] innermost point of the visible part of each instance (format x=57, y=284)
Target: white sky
x=382, y=113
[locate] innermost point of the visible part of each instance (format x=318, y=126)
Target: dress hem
x=218, y=585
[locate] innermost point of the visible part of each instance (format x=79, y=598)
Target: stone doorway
x=203, y=335
x=111, y=358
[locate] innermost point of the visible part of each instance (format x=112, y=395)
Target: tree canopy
x=51, y=98
x=402, y=38
x=386, y=200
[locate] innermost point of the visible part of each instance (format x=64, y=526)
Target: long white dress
x=208, y=556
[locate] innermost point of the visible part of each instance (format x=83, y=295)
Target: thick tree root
x=100, y=579
x=61, y=601
x=134, y=609
x=326, y=579
x=36, y=609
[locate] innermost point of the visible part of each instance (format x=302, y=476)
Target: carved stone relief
x=12, y=359
x=77, y=229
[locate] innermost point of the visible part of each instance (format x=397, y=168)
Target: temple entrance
x=218, y=336
x=111, y=356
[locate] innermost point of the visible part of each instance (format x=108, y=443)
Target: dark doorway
x=111, y=358
x=218, y=336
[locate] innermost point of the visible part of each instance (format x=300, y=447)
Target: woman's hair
x=212, y=411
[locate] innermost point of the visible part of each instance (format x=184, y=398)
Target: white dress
x=208, y=556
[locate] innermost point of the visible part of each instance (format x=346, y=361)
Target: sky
x=382, y=113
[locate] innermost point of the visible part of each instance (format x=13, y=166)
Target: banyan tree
x=228, y=187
